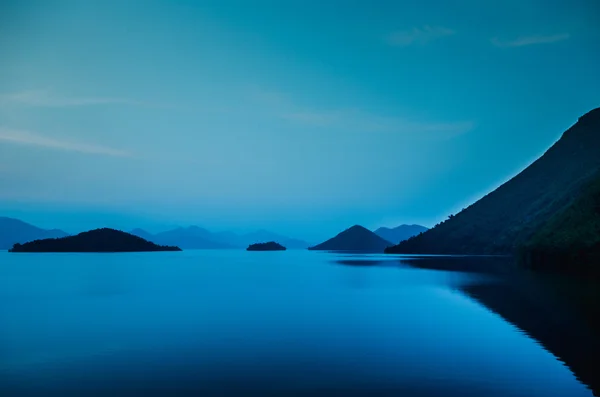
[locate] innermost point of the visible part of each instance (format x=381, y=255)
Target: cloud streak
x=40, y=98
x=530, y=40
x=317, y=119
x=33, y=139
x=354, y=120
x=418, y=36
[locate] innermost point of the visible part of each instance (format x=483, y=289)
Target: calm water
x=280, y=321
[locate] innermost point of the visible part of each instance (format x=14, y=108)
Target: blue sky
x=300, y=117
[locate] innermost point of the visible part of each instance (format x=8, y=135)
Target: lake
x=280, y=323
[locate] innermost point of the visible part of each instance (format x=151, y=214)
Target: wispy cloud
x=33, y=139
x=530, y=40
x=424, y=35
x=41, y=98
x=356, y=120
x=318, y=119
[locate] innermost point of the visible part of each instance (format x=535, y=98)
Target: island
x=270, y=246
x=98, y=240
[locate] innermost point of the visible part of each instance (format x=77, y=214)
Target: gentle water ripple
x=293, y=321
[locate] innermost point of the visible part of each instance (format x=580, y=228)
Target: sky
x=301, y=117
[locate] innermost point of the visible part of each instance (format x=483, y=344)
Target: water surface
x=294, y=321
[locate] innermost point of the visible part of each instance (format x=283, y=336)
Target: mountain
x=509, y=216
x=270, y=246
x=143, y=234
x=192, y=237
x=229, y=237
x=98, y=240
x=571, y=238
x=400, y=233
x=356, y=238
x=14, y=231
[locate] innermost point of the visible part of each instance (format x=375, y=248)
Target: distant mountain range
x=508, y=217
x=400, y=233
x=195, y=237
x=14, y=231
x=142, y=233
x=192, y=237
x=356, y=238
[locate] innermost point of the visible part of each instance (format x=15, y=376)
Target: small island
x=270, y=246
x=98, y=240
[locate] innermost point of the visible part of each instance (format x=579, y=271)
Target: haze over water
x=271, y=321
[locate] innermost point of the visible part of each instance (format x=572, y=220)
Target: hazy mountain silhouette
x=400, y=233
x=192, y=237
x=195, y=237
x=270, y=246
x=143, y=234
x=230, y=237
x=356, y=238
x=510, y=215
x=98, y=240
x=14, y=231
x=296, y=244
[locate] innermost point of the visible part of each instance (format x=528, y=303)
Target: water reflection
x=359, y=262
x=561, y=314
x=227, y=323
x=532, y=306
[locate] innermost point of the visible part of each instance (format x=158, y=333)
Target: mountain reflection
x=561, y=314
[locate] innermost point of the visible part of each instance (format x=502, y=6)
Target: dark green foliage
x=508, y=217
x=270, y=246
x=98, y=240
x=569, y=239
